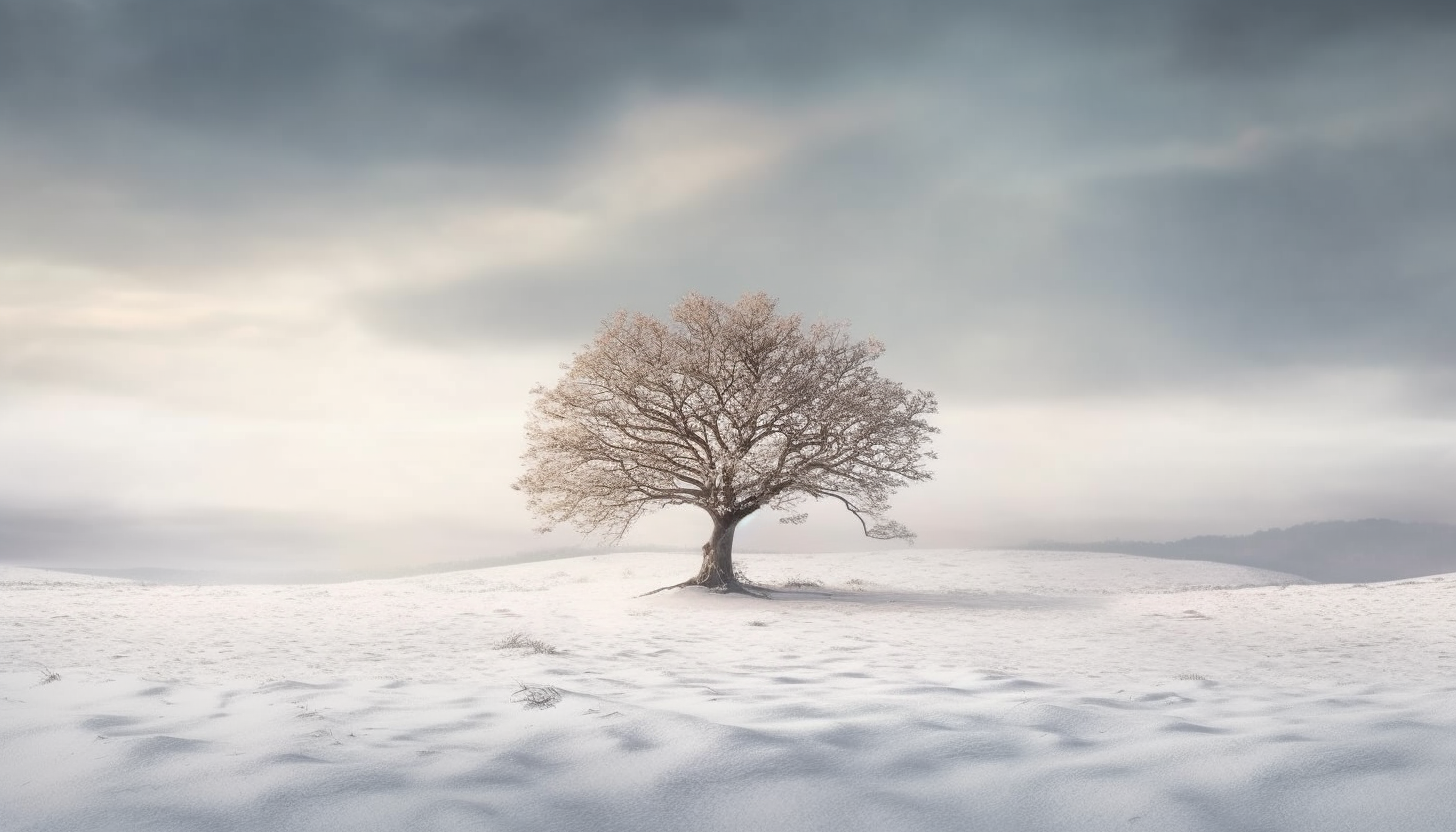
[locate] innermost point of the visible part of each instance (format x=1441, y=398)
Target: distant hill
x=1343, y=551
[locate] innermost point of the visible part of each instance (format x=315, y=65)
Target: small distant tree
x=727, y=407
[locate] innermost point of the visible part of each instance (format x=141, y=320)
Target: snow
x=913, y=690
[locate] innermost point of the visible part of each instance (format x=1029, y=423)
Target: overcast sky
x=277, y=275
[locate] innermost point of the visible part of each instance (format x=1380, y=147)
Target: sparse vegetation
x=797, y=582
x=534, y=697
x=47, y=676
x=521, y=641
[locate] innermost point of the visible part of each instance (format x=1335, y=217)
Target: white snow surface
x=913, y=690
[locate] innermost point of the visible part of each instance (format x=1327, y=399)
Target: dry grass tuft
x=533, y=697
x=521, y=641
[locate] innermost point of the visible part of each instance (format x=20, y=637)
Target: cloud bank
x=368, y=226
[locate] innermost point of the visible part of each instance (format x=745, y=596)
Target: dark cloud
x=354, y=82
x=1258, y=37
x=250, y=92
x=168, y=129
x=987, y=232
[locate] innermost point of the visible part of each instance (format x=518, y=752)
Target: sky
x=276, y=276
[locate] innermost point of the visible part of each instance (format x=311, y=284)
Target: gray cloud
x=1315, y=255
x=849, y=228
x=75, y=535
x=138, y=133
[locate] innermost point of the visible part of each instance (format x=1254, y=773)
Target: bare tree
x=730, y=408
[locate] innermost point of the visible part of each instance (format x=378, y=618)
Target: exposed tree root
x=726, y=587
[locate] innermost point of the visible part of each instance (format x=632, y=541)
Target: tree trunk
x=717, y=569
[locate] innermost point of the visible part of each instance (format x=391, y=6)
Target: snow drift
x=919, y=690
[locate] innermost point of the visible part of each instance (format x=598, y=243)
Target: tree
x=730, y=408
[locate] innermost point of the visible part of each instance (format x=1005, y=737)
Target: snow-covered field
x=914, y=690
